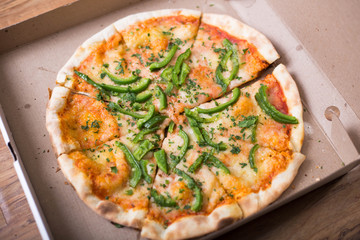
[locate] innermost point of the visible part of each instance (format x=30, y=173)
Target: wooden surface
x=330, y=212
x=16, y=220
x=16, y=11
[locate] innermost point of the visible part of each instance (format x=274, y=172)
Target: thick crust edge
x=107, y=209
x=125, y=22
x=294, y=104
x=243, y=31
x=193, y=226
x=81, y=53
x=56, y=104
x=254, y=202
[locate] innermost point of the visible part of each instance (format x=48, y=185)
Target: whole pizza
x=161, y=123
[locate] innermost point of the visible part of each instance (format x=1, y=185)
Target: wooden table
x=330, y=212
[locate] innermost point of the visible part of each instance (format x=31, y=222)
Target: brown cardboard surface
x=28, y=71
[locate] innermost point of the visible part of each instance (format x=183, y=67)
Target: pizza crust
x=107, y=209
x=293, y=103
x=242, y=31
x=56, y=104
x=124, y=23
x=81, y=53
x=193, y=226
x=254, y=202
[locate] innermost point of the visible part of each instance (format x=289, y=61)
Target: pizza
x=163, y=122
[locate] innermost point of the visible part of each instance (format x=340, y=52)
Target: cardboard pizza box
x=32, y=52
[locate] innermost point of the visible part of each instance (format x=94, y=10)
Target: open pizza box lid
x=28, y=70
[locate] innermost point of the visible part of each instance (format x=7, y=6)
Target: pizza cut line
x=155, y=128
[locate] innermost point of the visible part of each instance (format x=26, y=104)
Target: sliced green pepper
x=143, y=96
x=248, y=121
x=140, y=123
x=140, y=136
x=155, y=120
x=221, y=107
x=135, y=168
x=195, y=127
x=270, y=110
x=171, y=127
x=225, y=59
x=218, y=146
x=162, y=97
x=91, y=82
x=195, y=115
x=193, y=186
x=185, y=70
x=143, y=166
x=214, y=161
x=117, y=80
x=233, y=54
x=160, y=157
x=220, y=79
x=252, y=157
x=198, y=200
x=177, y=68
x=185, y=146
x=139, y=87
x=157, y=65
x=115, y=107
x=234, y=58
x=166, y=74
x=143, y=149
x=183, y=149
x=169, y=88
x=197, y=164
x=161, y=200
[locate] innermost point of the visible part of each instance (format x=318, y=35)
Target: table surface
x=330, y=212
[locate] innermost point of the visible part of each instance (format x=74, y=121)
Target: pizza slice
x=185, y=204
x=251, y=139
x=113, y=180
x=76, y=121
x=226, y=54
x=240, y=116
x=158, y=42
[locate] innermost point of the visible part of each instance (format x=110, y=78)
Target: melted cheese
x=86, y=121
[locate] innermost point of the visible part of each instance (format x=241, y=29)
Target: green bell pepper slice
x=161, y=200
x=191, y=183
x=143, y=149
x=121, y=81
x=223, y=106
x=141, y=122
x=252, y=157
x=270, y=110
x=143, y=166
x=157, y=65
x=140, y=136
x=160, y=157
x=139, y=87
x=162, y=97
x=135, y=167
x=115, y=107
x=177, y=68
x=143, y=96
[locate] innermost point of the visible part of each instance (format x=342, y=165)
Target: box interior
x=28, y=71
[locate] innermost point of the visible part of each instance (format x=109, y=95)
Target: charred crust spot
x=225, y=222
x=106, y=208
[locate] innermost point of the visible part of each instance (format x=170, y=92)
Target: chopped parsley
x=114, y=169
